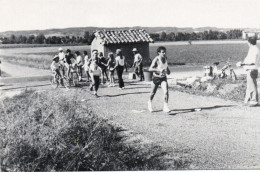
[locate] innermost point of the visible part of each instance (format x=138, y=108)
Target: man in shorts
x=159, y=67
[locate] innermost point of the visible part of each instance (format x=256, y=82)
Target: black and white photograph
x=129, y=85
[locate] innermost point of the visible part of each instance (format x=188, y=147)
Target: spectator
x=138, y=64
x=251, y=64
x=111, y=67
x=120, y=63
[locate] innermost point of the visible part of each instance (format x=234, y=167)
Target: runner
x=159, y=67
x=68, y=57
x=79, y=62
x=95, y=72
x=87, y=61
x=102, y=64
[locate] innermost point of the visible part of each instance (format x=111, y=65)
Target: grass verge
x=53, y=131
x=223, y=88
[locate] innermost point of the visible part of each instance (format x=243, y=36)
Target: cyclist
x=55, y=67
x=62, y=60
x=69, y=58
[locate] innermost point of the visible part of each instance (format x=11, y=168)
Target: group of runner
x=97, y=65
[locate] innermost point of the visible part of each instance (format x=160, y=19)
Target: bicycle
x=56, y=80
x=74, y=77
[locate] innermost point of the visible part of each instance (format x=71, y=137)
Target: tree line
x=206, y=35
x=41, y=39
x=87, y=37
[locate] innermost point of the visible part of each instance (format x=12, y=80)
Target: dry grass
x=237, y=93
x=53, y=131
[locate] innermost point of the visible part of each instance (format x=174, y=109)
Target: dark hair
x=100, y=54
x=252, y=40
x=94, y=50
x=77, y=52
x=111, y=55
x=160, y=48
x=85, y=52
x=119, y=53
x=68, y=50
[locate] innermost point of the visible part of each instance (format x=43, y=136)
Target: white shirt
x=55, y=65
x=137, y=57
x=121, y=62
x=79, y=60
x=61, y=56
x=95, y=69
x=160, y=66
x=252, y=57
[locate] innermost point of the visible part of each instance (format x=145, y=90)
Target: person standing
x=87, y=61
x=120, y=63
x=160, y=68
x=251, y=64
x=138, y=64
x=102, y=64
x=111, y=64
x=79, y=62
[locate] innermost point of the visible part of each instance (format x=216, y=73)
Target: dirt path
x=224, y=135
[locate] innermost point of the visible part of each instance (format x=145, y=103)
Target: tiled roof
x=123, y=36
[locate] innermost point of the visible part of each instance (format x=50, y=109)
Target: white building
x=250, y=33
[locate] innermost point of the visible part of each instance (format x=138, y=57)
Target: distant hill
x=79, y=31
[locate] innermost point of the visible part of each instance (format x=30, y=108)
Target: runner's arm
x=153, y=66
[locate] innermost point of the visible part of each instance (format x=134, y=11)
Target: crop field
x=190, y=55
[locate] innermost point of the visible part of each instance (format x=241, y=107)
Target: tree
x=39, y=39
x=163, y=36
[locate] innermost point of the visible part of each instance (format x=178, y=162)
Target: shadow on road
x=124, y=94
x=178, y=111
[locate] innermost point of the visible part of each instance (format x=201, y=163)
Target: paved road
x=223, y=135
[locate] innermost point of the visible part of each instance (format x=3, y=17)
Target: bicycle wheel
x=54, y=82
x=66, y=83
x=75, y=79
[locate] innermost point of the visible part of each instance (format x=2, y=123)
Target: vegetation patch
x=54, y=131
x=223, y=88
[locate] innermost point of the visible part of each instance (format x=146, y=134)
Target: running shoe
x=166, y=108
x=150, y=106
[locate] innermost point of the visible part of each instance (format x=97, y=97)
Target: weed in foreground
x=51, y=131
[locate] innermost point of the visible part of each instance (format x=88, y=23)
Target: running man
x=160, y=68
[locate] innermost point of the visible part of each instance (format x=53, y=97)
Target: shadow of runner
x=197, y=109
x=125, y=94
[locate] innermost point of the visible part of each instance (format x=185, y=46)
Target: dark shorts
x=158, y=80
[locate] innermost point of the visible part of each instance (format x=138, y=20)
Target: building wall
x=143, y=49
x=95, y=44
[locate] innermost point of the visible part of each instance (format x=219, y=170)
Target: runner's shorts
x=158, y=80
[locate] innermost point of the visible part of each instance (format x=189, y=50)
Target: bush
x=53, y=131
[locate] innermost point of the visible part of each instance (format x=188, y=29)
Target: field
x=191, y=55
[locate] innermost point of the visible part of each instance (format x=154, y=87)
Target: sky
x=47, y=14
